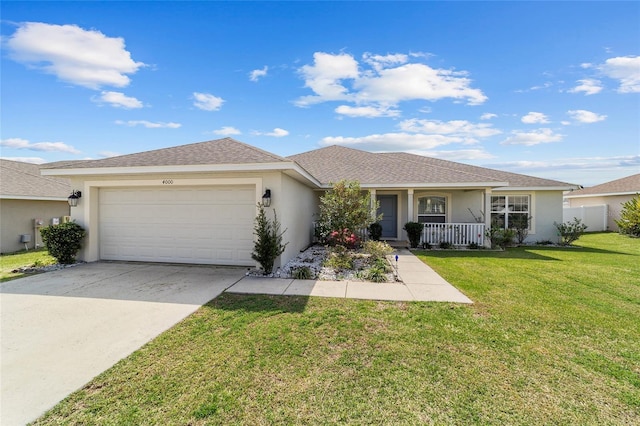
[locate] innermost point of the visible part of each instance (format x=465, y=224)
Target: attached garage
x=203, y=225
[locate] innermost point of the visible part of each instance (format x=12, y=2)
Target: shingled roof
x=220, y=151
x=626, y=185
x=334, y=163
x=23, y=180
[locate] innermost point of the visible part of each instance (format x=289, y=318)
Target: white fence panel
x=459, y=234
x=595, y=217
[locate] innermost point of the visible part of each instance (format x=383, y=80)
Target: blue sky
x=549, y=89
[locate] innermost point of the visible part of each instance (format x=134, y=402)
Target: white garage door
x=207, y=225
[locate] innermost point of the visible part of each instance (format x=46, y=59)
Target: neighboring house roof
x=626, y=186
x=334, y=163
x=20, y=180
x=221, y=151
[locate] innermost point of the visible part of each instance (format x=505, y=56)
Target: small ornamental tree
x=345, y=210
x=268, y=245
x=629, y=222
x=63, y=241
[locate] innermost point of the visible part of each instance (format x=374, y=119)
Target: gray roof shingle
x=220, y=151
x=24, y=180
x=626, y=185
x=334, y=163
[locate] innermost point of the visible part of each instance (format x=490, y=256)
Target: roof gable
x=626, y=185
x=220, y=151
x=18, y=179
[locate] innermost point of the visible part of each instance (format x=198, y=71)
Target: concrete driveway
x=60, y=329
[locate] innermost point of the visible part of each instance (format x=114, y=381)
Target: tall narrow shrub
x=268, y=244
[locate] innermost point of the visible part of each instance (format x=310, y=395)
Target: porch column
x=410, y=205
x=487, y=215
x=373, y=203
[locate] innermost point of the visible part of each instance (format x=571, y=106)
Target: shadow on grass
x=259, y=303
x=534, y=253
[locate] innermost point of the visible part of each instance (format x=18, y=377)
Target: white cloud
x=325, y=75
x=255, y=75
x=584, y=116
x=276, y=133
x=32, y=160
x=149, y=124
x=109, y=154
x=401, y=141
x=19, y=143
x=625, y=69
x=578, y=163
x=416, y=81
x=367, y=111
x=535, y=118
x=382, y=61
x=488, y=116
x=207, y=101
x=589, y=86
x=83, y=57
x=118, y=100
x=227, y=131
x=383, y=82
x=534, y=137
x=466, y=130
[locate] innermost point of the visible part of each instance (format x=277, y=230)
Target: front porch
x=449, y=215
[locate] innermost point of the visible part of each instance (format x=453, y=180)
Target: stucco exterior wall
x=297, y=207
x=547, y=210
x=614, y=202
x=16, y=218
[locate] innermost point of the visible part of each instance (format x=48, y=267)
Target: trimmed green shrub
x=414, y=232
x=629, y=222
x=63, y=241
x=570, y=231
x=268, y=245
x=375, y=231
x=446, y=245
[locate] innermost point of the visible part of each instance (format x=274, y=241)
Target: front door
x=389, y=210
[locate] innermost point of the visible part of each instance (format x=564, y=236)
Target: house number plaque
x=167, y=181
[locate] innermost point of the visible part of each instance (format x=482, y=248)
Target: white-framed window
x=432, y=209
x=511, y=211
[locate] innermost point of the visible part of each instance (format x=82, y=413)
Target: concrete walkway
x=419, y=283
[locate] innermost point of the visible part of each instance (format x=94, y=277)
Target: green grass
x=553, y=338
x=9, y=262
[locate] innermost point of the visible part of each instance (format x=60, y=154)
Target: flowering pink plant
x=344, y=238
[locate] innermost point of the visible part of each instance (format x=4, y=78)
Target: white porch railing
x=458, y=234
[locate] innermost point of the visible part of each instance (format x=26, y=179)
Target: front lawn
x=11, y=262
x=553, y=338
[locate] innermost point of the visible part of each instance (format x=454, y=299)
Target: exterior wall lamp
x=266, y=198
x=74, y=197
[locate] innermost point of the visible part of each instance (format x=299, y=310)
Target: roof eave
x=193, y=168
x=31, y=198
x=537, y=188
x=602, y=194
